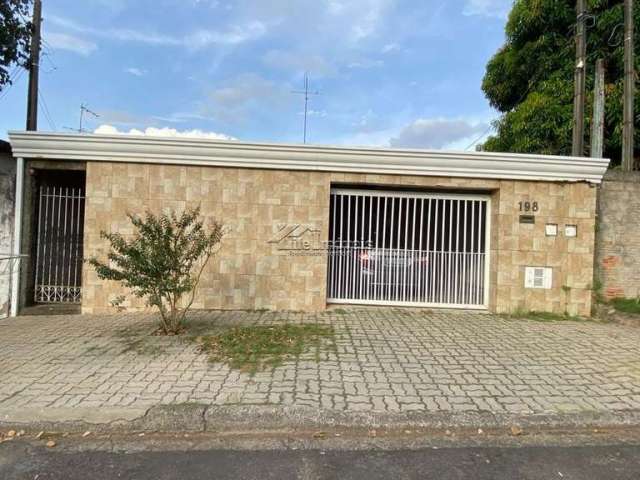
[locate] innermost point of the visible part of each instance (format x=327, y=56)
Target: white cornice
x=183, y=151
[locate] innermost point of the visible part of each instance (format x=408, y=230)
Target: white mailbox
x=537, y=277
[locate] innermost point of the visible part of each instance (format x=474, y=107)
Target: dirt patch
x=607, y=313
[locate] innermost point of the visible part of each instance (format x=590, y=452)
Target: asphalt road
x=21, y=460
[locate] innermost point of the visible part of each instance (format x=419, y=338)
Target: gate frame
x=415, y=194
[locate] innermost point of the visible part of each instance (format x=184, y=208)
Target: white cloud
x=72, y=43
x=367, y=138
x=114, y=5
x=335, y=7
x=180, y=117
x=437, y=133
x=390, y=47
x=314, y=113
x=239, y=95
x=235, y=35
x=120, y=117
x=345, y=16
x=208, y=3
x=243, y=89
x=422, y=133
x=370, y=18
x=136, y=72
x=488, y=8
x=163, y=132
x=298, y=62
x=366, y=63
x=197, y=39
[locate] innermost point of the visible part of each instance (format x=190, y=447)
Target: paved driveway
x=386, y=360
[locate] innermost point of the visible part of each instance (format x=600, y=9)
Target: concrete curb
x=265, y=418
x=195, y=417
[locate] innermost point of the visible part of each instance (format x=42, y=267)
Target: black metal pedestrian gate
x=59, y=249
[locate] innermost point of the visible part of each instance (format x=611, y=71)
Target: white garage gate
x=408, y=248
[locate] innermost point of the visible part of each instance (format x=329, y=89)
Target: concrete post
x=17, y=237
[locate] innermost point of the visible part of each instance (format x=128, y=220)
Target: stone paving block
x=386, y=360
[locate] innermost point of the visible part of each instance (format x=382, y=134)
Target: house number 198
x=528, y=206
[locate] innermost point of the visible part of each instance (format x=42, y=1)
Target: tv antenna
x=83, y=110
x=306, y=94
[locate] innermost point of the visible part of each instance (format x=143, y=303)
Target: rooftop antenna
x=83, y=110
x=306, y=94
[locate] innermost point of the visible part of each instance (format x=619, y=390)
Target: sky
x=389, y=73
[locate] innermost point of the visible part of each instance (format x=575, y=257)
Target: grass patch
x=338, y=311
x=253, y=348
x=143, y=346
x=96, y=350
x=544, y=316
x=626, y=305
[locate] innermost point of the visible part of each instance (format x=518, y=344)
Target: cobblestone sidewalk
x=386, y=360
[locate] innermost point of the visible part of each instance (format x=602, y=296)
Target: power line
x=46, y=115
x=45, y=110
x=489, y=128
x=53, y=68
x=13, y=82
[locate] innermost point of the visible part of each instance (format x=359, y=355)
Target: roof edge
x=195, y=151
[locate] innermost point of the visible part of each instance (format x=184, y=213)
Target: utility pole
x=306, y=94
x=629, y=89
x=577, y=147
x=597, y=122
x=34, y=67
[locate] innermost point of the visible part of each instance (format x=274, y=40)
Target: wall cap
x=205, y=152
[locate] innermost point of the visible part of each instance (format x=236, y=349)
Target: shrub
x=163, y=261
x=627, y=305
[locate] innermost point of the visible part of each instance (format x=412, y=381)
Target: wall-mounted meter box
x=537, y=277
x=570, y=230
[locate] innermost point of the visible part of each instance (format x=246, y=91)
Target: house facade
x=310, y=226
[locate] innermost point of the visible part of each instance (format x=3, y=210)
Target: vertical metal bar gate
x=405, y=248
x=59, y=249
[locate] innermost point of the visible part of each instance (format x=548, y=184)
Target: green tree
x=162, y=262
x=15, y=34
x=530, y=79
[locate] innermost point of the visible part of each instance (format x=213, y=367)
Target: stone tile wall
x=618, y=235
x=251, y=273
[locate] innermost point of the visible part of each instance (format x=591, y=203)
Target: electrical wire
x=53, y=68
x=13, y=82
x=489, y=128
x=45, y=110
